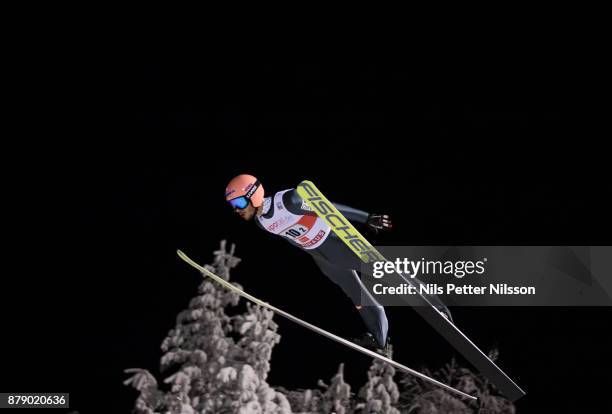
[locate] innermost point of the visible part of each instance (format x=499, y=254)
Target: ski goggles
x=242, y=202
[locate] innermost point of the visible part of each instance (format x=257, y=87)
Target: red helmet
x=244, y=188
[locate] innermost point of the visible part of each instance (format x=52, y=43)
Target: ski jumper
x=285, y=214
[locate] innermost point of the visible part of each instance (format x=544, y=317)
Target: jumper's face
x=246, y=213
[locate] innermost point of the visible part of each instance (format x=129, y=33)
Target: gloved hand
x=379, y=222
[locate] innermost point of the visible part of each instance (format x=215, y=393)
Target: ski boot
x=368, y=342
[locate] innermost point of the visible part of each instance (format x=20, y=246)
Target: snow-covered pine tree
x=420, y=397
x=337, y=395
x=380, y=394
x=219, y=362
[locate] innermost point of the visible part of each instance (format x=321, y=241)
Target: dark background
x=494, y=153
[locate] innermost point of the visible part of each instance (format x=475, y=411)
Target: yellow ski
x=338, y=223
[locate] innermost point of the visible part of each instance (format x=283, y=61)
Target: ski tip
x=182, y=255
x=306, y=182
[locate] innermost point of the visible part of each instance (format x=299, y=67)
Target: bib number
x=295, y=231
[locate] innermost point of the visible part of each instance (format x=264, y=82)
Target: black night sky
x=488, y=155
